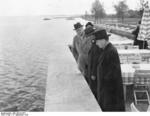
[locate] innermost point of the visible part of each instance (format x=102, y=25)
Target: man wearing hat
x=79, y=48
x=109, y=81
x=88, y=38
x=93, y=55
x=86, y=46
x=89, y=24
x=77, y=39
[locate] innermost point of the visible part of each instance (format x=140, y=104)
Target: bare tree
x=86, y=15
x=140, y=7
x=98, y=10
x=121, y=9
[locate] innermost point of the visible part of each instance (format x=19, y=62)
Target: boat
x=70, y=18
x=46, y=19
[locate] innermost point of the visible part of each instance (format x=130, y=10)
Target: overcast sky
x=55, y=7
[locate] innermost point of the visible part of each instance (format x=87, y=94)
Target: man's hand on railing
x=93, y=77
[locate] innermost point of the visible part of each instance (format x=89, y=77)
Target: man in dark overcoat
x=87, y=43
x=110, y=86
x=93, y=56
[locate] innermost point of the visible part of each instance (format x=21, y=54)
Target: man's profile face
x=101, y=43
x=79, y=31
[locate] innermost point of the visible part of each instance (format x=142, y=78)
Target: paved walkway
x=66, y=88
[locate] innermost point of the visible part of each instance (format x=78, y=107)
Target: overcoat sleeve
x=94, y=66
x=92, y=61
x=114, y=69
x=74, y=48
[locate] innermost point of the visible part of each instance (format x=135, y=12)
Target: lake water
x=25, y=44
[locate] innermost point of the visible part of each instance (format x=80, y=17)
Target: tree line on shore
x=122, y=11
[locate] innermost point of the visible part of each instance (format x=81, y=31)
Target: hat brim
x=98, y=30
x=78, y=28
x=104, y=38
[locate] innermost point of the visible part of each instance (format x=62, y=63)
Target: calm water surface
x=23, y=63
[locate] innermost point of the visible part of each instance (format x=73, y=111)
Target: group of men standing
x=98, y=61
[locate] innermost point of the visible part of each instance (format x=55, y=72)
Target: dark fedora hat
x=101, y=34
x=89, y=31
x=89, y=23
x=77, y=26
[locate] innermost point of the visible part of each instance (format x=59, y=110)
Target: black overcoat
x=110, y=86
x=93, y=56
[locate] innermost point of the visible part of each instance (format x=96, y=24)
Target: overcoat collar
x=102, y=56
